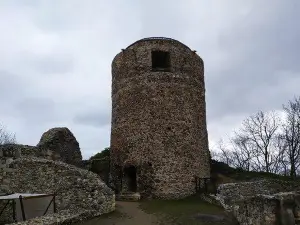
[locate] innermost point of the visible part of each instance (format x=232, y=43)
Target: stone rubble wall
x=231, y=192
x=62, y=141
x=7, y=156
x=279, y=209
x=76, y=189
x=264, y=202
x=18, y=150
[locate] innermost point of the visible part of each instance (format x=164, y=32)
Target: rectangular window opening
x=160, y=61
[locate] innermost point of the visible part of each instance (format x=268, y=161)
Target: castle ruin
x=159, y=139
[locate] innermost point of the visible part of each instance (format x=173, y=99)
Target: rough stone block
x=60, y=143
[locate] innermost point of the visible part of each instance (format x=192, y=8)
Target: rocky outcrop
x=62, y=141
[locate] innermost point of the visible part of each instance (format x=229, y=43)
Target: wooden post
x=14, y=210
x=4, y=208
x=54, y=203
x=22, y=208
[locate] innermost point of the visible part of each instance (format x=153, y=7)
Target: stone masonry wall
x=77, y=190
x=277, y=209
x=29, y=151
x=264, y=202
x=232, y=192
x=7, y=155
x=159, y=118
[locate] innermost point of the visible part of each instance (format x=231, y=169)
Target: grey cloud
x=95, y=118
x=35, y=109
x=53, y=64
x=257, y=80
x=251, y=62
x=8, y=82
x=12, y=86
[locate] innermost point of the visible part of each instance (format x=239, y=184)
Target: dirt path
x=128, y=213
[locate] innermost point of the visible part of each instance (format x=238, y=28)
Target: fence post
x=22, y=208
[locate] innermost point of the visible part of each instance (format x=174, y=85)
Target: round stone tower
x=159, y=137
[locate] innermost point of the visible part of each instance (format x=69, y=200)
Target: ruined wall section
x=63, y=142
x=18, y=150
x=232, y=192
x=268, y=202
x=77, y=190
x=159, y=118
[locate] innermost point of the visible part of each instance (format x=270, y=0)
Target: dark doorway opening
x=130, y=181
x=160, y=61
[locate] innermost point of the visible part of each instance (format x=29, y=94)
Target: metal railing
x=206, y=185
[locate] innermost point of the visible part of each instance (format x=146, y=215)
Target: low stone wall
x=76, y=189
x=17, y=150
x=278, y=209
x=231, y=192
x=264, y=202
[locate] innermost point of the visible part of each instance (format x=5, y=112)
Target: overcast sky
x=55, y=59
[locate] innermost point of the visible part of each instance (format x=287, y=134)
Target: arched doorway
x=129, y=179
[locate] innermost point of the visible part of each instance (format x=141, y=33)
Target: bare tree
x=283, y=161
x=6, y=137
x=259, y=132
x=224, y=155
x=291, y=134
x=214, y=154
x=242, y=152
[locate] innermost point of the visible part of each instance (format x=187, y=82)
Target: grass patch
x=184, y=211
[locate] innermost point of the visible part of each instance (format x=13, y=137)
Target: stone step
x=128, y=197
